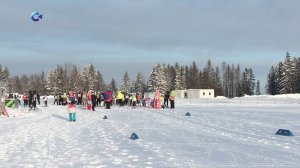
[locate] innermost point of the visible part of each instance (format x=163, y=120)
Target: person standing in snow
x=84, y=98
x=94, y=100
x=38, y=98
x=79, y=98
x=71, y=107
x=25, y=99
x=172, y=98
x=108, y=99
x=30, y=97
x=33, y=102
x=55, y=99
x=166, y=99
x=120, y=98
x=45, y=100
x=138, y=99
x=134, y=100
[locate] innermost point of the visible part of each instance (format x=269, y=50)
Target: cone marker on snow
x=134, y=136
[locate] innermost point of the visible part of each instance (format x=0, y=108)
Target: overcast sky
x=134, y=35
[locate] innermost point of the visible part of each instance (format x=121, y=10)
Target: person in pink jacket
x=71, y=107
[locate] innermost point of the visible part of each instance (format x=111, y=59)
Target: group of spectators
x=90, y=98
x=101, y=99
x=31, y=99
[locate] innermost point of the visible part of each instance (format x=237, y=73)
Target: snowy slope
x=215, y=135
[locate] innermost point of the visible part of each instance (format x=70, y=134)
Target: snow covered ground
x=221, y=134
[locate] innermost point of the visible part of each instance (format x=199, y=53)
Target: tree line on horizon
x=284, y=78
x=227, y=80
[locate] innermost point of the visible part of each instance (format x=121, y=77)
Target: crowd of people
x=92, y=99
x=121, y=99
x=29, y=99
x=95, y=99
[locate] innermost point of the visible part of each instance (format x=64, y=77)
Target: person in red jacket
x=25, y=99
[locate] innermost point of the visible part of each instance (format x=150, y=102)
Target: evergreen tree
x=139, y=84
x=97, y=81
x=194, y=76
x=113, y=86
x=208, y=74
x=16, y=85
x=58, y=80
x=88, y=75
x=226, y=80
x=157, y=79
x=279, y=77
x=152, y=80
x=1, y=77
x=217, y=83
x=6, y=78
x=232, y=85
x=75, y=79
x=131, y=90
x=187, y=77
x=271, y=87
x=237, y=77
x=288, y=75
x=297, y=75
x=66, y=78
x=170, y=75
x=102, y=84
x=251, y=81
x=257, y=91
x=167, y=78
x=177, y=77
x=33, y=83
x=182, y=78
x=248, y=82
x=24, y=83
x=42, y=84
x=126, y=85
x=50, y=83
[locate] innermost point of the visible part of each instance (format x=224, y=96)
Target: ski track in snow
x=219, y=135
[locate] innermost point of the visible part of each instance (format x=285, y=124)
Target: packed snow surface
x=215, y=135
